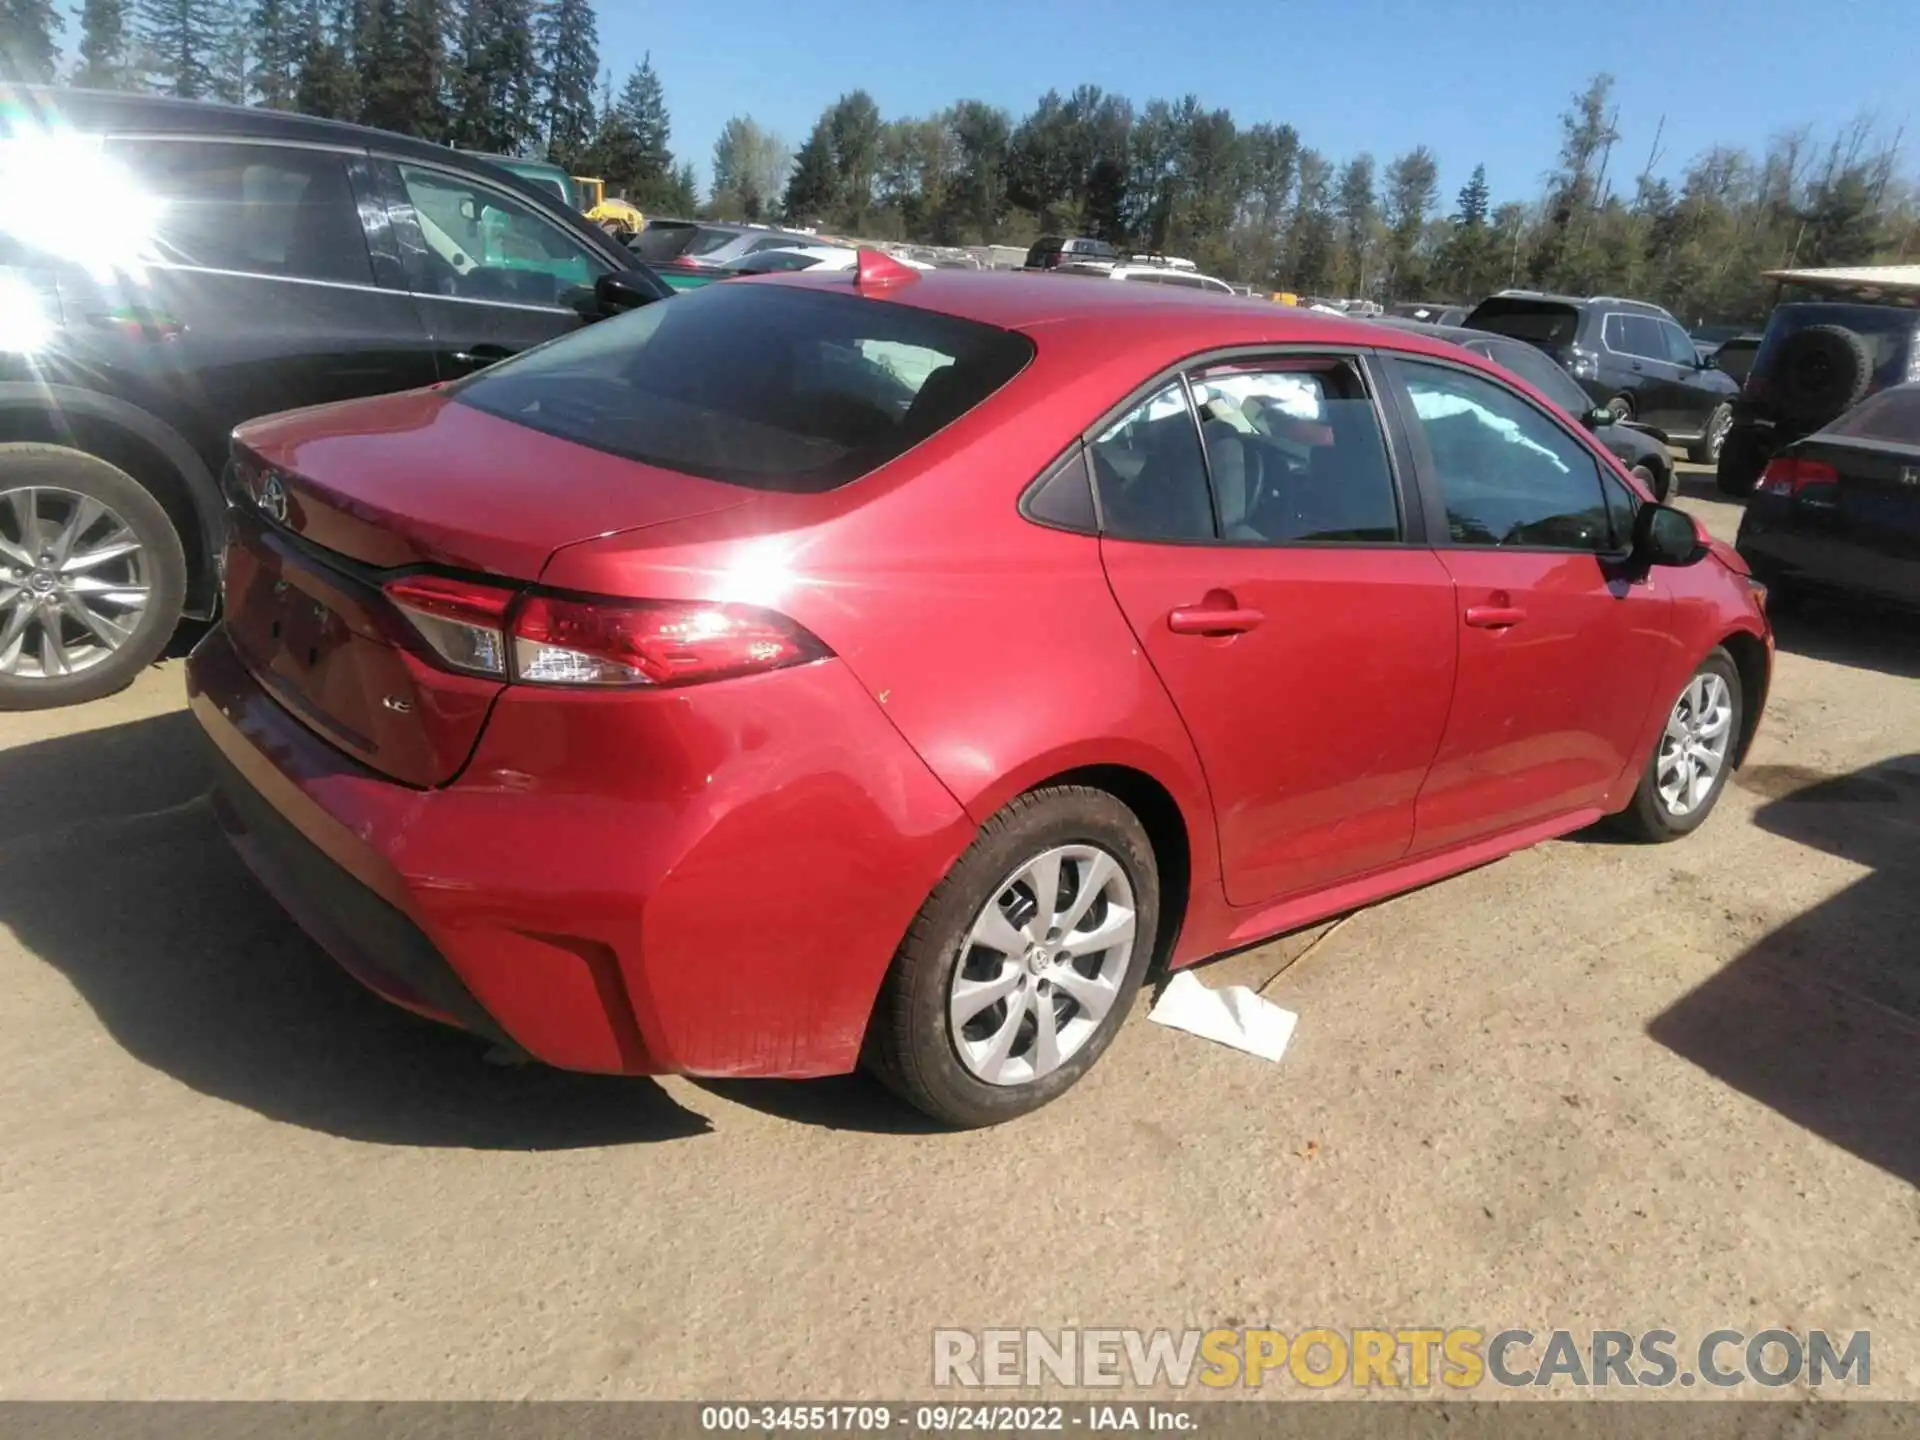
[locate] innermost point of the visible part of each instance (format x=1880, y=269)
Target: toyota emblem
x=273, y=498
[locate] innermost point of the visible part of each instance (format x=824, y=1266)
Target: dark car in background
x=1839, y=510
x=1428, y=312
x=1642, y=453
x=1628, y=355
x=256, y=261
x=1049, y=252
x=1817, y=360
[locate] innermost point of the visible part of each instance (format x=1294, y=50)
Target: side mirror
x=626, y=290
x=1663, y=535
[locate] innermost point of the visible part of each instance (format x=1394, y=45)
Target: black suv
x=1817, y=360
x=1630, y=356
x=168, y=270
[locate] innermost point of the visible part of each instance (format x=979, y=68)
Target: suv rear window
x=766, y=386
x=1538, y=322
x=705, y=240
x=1892, y=415
x=664, y=239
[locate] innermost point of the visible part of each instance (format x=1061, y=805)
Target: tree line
x=1252, y=203
x=512, y=77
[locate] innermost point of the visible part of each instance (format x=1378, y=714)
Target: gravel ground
x=1594, y=1085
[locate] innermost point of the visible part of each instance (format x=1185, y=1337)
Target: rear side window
x=706, y=240
x=253, y=208
x=660, y=242
x=1538, y=322
x=1635, y=335
x=1151, y=474
x=758, y=385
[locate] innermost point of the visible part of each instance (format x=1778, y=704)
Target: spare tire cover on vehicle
x=1822, y=371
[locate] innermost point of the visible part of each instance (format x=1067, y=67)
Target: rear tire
x=950, y=960
x=75, y=628
x=1710, y=707
x=1659, y=482
x=1706, y=450
x=1621, y=408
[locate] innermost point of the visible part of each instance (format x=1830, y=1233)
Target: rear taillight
x=462, y=621
x=541, y=639
x=650, y=642
x=1789, y=475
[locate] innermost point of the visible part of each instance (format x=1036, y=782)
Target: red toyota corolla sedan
x=895, y=666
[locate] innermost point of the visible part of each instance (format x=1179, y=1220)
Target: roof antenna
x=876, y=270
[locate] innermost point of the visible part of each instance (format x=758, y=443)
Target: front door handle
x=476, y=357
x=1201, y=620
x=1494, y=617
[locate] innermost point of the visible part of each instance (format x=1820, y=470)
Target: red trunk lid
x=343, y=495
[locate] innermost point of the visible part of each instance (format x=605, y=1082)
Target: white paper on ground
x=1234, y=1016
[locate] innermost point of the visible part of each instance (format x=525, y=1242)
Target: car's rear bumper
x=635, y=884
x=1783, y=552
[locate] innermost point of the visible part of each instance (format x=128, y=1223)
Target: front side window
x=253, y=208
x=483, y=244
x=772, y=387
x=1679, y=347
x=1151, y=474
x=1296, y=453
x=1508, y=475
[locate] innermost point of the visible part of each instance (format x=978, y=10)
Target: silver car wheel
x=73, y=583
x=1042, y=965
x=1693, y=751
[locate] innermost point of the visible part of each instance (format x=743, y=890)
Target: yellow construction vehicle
x=616, y=215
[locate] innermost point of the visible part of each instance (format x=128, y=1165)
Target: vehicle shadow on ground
x=1701, y=485
x=1845, y=633
x=1821, y=1019
x=839, y=1102
x=114, y=872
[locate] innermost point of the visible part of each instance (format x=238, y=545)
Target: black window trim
x=1429, y=480
x=1075, y=453
x=1412, y=505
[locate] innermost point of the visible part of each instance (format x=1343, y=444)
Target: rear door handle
x=1199, y=620
x=1494, y=617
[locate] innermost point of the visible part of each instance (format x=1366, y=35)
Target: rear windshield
x=755, y=384
x=1539, y=371
x=1538, y=322
x=662, y=240
x=1891, y=415
x=1887, y=331
x=705, y=241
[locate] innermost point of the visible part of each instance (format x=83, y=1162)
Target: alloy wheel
x=73, y=582
x=1042, y=965
x=1717, y=436
x=1693, y=750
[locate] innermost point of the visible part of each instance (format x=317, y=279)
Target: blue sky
x=1475, y=81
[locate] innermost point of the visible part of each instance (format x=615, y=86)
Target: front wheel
x=92, y=577
x=1021, y=966
x=1693, y=757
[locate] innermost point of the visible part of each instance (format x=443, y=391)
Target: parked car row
x=258, y=261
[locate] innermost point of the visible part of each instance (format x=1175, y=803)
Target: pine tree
x=233, y=52
x=566, y=36
x=277, y=49
x=325, y=85
x=402, y=69
x=643, y=102
x=106, y=49
x=28, y=47
x=1471, y=208
x=813, y=190
x=181, y=39
x=492, y=77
